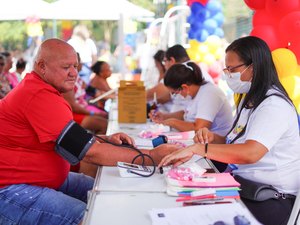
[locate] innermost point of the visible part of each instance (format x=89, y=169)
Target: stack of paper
x=212, y=185
x=229, y=214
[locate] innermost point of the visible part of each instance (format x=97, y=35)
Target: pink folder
x=221, y=180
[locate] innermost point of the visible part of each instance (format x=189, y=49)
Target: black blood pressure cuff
x=74, y=142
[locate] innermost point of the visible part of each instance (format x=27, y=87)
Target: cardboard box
x=132, y=102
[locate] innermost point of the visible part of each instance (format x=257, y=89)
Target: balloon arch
x=275, y=21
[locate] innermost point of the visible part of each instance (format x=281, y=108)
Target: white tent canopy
x=72, y=10
x=94, y=10
x=76, y=10
x=22, y=9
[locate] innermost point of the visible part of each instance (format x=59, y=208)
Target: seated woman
x=207, y=104
x=159, y=89
x=264, y=138
x=98, y=84
x=88, y=116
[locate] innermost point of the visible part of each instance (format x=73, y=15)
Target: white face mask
x=180, y=97
x=235, y=83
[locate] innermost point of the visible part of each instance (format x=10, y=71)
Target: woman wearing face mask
x=207, y=105
x=263, y=144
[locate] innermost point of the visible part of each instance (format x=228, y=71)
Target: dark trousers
x=272, y=211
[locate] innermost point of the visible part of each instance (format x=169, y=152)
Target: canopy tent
x=77, y=10
x=94, y=10
x=72, y=10
x=21, y=9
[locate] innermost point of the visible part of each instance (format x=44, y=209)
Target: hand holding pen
x=156, y=116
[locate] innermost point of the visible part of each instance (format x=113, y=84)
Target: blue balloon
x=219, y=32
x=191, y=19
x=210, y=25
x=202, y=35
x=192, y=34
x=214, y=7
x=196, y=7
x=197, y=26
x=219, y=18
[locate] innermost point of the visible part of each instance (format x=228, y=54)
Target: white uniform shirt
x=211, y=104
x=273, y=124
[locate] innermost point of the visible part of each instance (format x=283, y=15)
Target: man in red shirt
x=36, y=186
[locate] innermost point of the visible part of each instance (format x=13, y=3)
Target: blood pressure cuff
x=74, y=142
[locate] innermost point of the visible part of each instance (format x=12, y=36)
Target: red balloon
x=215, y=70
x=295, y=48
x=255, y=4
x=268, y=34
x=289, y=27
x=280, y=8
x=203, y=2
x=260, y=17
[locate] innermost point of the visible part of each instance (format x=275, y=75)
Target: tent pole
x=121, y=46
x=54, y=28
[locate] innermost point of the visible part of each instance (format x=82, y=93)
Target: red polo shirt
x=32, y=116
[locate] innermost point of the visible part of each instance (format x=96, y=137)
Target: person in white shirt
x=263, y=144
x=205, y=104
x=86, y=48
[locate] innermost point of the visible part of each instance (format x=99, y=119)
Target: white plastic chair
x=294, y=217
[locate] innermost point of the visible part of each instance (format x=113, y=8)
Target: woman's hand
x=203, y=136
x=179, y=157
x=121, y=138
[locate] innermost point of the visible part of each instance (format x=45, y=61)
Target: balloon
x=219, y=18
x=203, y=49
x=298, y=71
x=192, y=34
x=209, y=59
x=269, y=34
x=202, y=35
x=295, y=48
x=194, y=44
x=210, y=25
x=196, y=26
x=260, y=17
x=215, y=69
x=213, y=42
x=219, y=32
x=203, y=2
x=255, y=4
x=214, y=7
x=197, y=7
x=289, y=26
x=285, y=62
x=291, y=85
x=280, y=8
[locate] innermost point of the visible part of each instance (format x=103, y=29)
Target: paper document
x=203, y=215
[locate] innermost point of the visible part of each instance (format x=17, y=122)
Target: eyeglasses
x=229, y=69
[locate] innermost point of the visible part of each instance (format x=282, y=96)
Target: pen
x=195, y=198
x=204, y=203
x=205, y=200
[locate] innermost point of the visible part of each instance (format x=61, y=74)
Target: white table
x=126, y=201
